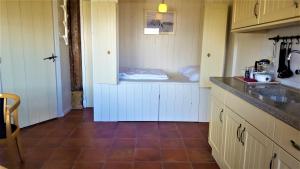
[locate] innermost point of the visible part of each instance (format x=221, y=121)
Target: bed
x=126, y=73
x=149, y=95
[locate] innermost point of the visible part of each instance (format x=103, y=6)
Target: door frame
x=87, y=98
x=59, y=107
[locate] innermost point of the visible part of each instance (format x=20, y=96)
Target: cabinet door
x=282, y=160
x=258, y=148
x=216, y=126
x=104, y=41
x=233, y=149
x=297, y=5
x=214, y=42
x=245, y=13
x=277, y=10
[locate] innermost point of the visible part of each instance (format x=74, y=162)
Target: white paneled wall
x=168, y=52
x=148, y=101
x=138, y=101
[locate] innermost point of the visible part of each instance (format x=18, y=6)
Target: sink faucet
x=293, y=51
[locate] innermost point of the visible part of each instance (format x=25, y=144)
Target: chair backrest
x=2, y=112
x=2, y=124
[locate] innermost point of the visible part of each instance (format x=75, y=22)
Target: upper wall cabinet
x=245, y=13
x=251, y=15
x=271, y=10
x=104, y=41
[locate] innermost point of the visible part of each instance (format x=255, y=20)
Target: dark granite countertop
x=279, y=101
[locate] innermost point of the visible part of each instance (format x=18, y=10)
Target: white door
x=214, y=42
x=104, y=41
x=26, y=39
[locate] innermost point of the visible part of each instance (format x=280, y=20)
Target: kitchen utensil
x=286, y=72
x=282, y=55
x=262, y=65
x=263, y=77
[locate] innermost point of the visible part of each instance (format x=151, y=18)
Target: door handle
x=221, y=115
x=238, y=132
x=272, y=159
x=53, y=58
x=243, y=136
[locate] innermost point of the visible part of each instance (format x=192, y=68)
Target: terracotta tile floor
x=76, y=142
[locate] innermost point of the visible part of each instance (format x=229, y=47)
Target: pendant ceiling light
x=163, y=7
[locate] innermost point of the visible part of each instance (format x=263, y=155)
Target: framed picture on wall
x=159, y=23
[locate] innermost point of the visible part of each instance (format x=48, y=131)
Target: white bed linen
x=191, y=72
x=142, y=74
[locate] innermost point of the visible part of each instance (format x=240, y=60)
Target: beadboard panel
x=179, y=102
x=148, y=101
x=168, y=52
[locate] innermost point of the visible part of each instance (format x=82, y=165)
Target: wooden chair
x=9, y=124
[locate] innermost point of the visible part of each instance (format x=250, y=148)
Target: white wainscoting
x=148, y=101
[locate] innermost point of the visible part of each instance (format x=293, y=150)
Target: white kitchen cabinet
x=233, y=149
x=258, y=148
x=216, y=127
x=104, y=41
x=297, y=5
x=253, y=15
x=245, y=13
x=282, y=160
x=288, y=138
x=247, y=143
x=271, y=10
x=214, y=42
x=245, y=147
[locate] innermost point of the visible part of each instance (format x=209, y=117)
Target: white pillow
x=191, y=72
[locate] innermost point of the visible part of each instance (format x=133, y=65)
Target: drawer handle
x=220, y=115
x=243, y=136
x=238, y=132
x=295, y=145
x=273, y=158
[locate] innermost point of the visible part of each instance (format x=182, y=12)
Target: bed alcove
x=113, y=37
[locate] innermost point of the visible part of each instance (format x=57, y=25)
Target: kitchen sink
x=275, y=93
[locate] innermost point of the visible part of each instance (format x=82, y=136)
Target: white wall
x=168, y=52
x=246, y=48
x=295, y=62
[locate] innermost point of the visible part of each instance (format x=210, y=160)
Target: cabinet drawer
x=218, y=93
x=256, y=117
x=288, y=138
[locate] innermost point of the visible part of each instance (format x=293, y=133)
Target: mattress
x=142, y=74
